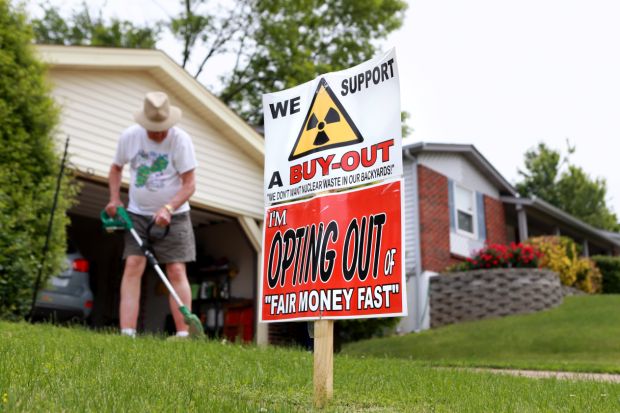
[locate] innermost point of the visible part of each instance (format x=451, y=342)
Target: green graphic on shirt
x=144, y=171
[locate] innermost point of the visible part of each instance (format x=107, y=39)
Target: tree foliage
x=553, y=178
x=276, y=44
x=610, y=268
x=84, y=30
x=211, y=31
x=29, y=166
x=279, y=44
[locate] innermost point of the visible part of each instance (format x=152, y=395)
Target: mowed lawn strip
x=46, y=368
x=582, y=334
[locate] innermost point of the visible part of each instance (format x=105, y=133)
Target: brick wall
x=495, y=221
x=434, y=220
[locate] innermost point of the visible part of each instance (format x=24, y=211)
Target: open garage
x=98, y=89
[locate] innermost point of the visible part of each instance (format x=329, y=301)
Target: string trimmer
x=122, y=222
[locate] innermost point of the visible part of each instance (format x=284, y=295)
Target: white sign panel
x=339, y=130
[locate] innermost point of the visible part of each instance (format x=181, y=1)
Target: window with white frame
x=465, y=211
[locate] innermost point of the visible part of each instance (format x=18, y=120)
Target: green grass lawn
x=50, y=369
x=583, y=334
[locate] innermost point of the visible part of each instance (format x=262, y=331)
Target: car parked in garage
x=67, y=296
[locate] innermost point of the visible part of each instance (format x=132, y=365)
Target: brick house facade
x=434, y=220
x=495, y=220
x=434, y=210
x=456, y=202
x=453, y=207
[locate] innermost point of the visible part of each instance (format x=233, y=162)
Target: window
x=464, y=206
x=467, y=220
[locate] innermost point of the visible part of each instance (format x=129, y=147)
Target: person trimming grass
x=162, y=163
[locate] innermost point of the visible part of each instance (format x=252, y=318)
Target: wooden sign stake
x=323, y=362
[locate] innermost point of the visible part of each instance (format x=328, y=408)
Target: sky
x=502, y=75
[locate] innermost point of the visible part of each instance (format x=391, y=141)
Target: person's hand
x=163, y=217
x=110, y=209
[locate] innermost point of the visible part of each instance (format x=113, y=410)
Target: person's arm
x=188, y=187
x=114, y=184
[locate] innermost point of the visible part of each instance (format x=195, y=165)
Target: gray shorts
x=178, y=246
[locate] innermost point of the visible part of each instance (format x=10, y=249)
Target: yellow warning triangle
x=327, y=125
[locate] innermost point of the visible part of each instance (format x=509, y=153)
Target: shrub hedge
x=561, y=255
x=610, y=268
x=29, y=166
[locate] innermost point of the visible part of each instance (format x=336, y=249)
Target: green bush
x=610, y=268
x=561, y=255
x=29, y=166
x=347, y=331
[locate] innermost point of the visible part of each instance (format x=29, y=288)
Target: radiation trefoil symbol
x=327, y=125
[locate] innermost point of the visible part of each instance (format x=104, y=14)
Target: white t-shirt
x=155, y=168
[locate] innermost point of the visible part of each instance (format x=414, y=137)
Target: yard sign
x=336, y=255
x=340, y=130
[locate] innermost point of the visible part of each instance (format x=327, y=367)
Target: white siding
x=460, y=170
x=98, y=105
x=464, y=246
x=411, y=212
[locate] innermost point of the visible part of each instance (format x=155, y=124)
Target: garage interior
x=223, y=278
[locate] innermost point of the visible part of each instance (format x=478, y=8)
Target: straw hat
x=157, y=115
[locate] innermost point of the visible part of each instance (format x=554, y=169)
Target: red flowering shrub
x=503, y=256
x=558, y=254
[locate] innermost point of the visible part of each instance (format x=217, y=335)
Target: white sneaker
x=179, y=336
x=129, y=332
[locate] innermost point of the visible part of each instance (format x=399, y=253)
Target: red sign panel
x=335, y=256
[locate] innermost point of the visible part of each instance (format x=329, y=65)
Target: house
x=456, y=202
x=98, y=89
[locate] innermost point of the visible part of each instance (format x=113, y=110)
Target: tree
x=279, y=43
x=585, y=198
x=29, y=166
x=200, y=28
x=570, y=189
x=542, y=167
x=84, y=30
x=405, y=128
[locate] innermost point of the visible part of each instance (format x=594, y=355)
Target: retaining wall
x=478, y=294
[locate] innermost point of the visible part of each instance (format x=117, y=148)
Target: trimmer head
x=196, y=329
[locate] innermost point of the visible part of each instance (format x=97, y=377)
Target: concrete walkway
x=563, y=375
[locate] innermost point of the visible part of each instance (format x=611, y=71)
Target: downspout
x=418, y=319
